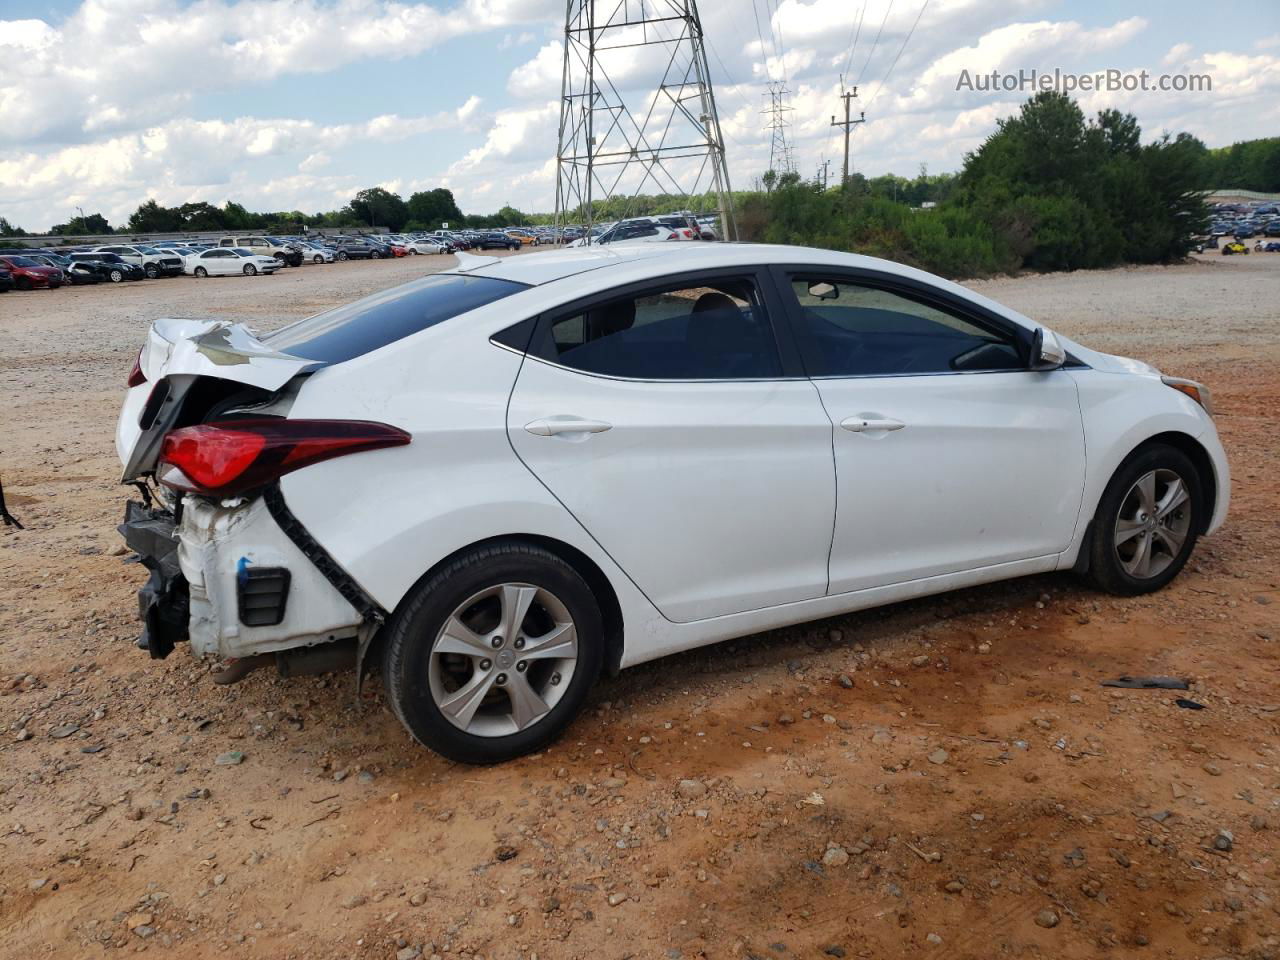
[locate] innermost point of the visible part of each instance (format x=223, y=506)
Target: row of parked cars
x=1245, y=221
x=43, y=268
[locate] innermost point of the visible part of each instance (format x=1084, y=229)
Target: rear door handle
x=865, y=425
x=554, y=426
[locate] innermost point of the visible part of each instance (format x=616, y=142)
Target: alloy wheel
x=1153, y=523
x=503, y=659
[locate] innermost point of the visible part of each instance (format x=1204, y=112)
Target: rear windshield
x=386, y=317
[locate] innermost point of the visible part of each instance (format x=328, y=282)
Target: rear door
x=664, y=419
x=950, y=454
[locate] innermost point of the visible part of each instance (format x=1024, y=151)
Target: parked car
x=76, y=274
x=231, y=261
x=288, y=254
x=551, y=467
x=497, y=241
x=153, y=263
x=1234, y=246
x=6, y=277
x=352, y=248
x=314, y=252
x=427, y=245
x=109, y=266
x=29, y=274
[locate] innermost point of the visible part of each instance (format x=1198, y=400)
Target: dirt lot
x=944, y=777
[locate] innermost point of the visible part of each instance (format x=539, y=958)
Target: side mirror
x=1047, y=353
x=823, y=290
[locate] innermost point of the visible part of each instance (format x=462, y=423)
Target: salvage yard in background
x=945, y=776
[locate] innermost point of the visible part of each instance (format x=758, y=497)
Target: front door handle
x=867, y=424
x=554, y=426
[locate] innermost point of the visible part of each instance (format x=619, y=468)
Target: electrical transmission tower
x=781, y=159
x=673, y=145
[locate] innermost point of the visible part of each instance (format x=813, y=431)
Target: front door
x=662, y=419
x=950, y=454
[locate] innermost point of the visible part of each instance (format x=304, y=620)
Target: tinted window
x=22, y=262
x=849, y=330
x=717, y=330
x=386, y=317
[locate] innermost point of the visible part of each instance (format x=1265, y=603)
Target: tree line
x=1049, y=189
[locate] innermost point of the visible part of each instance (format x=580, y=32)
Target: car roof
x=640, y=262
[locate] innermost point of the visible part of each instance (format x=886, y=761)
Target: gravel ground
x=944, y=776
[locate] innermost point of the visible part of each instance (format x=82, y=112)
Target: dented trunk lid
x=179, y=353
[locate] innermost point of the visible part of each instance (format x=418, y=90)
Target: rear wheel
x=375, y=255
x=201, y=272
x=492, y=656
x=342, y=255
x=1147, y=522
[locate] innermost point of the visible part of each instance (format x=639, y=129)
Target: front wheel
x=491, y=657
x=250, y=270
x=1147, y=522
x=152, y=271
x=116, y=276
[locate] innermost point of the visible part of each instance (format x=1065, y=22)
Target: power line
x=900, y=49
x=875, y=43
x=764, y=51
x=855, y=32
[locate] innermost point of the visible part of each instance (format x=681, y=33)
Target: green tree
x=93, y=224
x=8, y=229
x=150, y=217
x=430, y=208
x=509, y=216
x=376, y=207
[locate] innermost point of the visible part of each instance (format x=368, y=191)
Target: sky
x=297, y=104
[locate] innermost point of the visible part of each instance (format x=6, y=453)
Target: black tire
x=152, y=271
x=201, y=272
x=342, y=255
x=411, y=632
x=22, y=283
x=1105, y=567
x=250, y=270
x=116, y=276
x=317, y=259
x=374, y=255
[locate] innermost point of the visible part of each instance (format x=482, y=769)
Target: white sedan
x=526, y=471
x=228, y=261
x=426, y=245
x=313, y=252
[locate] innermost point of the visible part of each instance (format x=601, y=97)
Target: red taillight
x=228, y=458
x=136, y=376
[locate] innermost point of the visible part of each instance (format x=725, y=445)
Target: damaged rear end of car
x=205, y=436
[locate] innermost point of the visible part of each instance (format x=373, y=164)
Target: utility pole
x=848, y=96
x=822, y=173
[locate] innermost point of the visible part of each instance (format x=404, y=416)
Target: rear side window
x=716, y=329
x=366, y=325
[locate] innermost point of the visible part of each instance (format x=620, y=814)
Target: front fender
x=1121, y=412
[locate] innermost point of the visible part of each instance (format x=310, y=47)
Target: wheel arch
x=1194, y=451
x=583, y=565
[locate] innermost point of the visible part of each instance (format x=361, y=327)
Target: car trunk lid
x=179, y=354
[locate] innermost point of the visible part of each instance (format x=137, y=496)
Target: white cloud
x=1177, y=54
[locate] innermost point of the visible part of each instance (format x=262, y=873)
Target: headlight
x=1196, y=391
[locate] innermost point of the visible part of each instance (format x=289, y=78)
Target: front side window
x=711, y=330
x=847, y=329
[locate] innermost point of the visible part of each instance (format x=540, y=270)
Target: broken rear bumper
x=229, y=580
x=163, y=601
